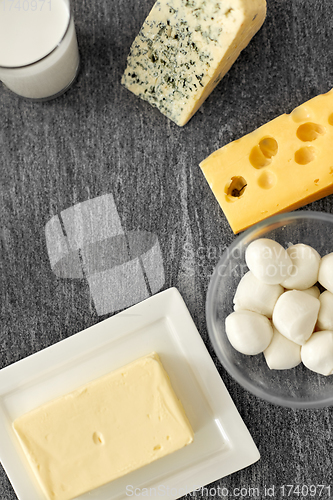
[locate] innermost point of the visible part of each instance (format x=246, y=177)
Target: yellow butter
x=104, y=430
x=184, y=49
x=281, y=166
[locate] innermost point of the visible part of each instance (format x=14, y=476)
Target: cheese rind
x=281, y=166
x=184, y=49
x=104, y=430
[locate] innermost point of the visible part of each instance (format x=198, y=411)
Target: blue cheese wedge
x=184, y=49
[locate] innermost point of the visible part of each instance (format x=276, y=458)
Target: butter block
x=104, y=430
x=281, y=166
x=184, y=49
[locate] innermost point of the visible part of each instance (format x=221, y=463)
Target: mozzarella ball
x=304, y=273
x=268, y=261
x=282, y=353
x=314, y=291
x=317, y=352
x=325, y=316
x=295, y=315
x=248, y=332
x=256, y=296
x=325, y=275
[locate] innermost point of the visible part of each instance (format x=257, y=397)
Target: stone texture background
x=99, y=139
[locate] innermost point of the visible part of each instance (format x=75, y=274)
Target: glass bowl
x=298, y=387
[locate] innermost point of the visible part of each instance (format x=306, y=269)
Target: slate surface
x=99, y=139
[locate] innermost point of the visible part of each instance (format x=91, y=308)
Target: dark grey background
x=99, y=138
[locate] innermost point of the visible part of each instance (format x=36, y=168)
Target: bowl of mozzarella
x=269, y=309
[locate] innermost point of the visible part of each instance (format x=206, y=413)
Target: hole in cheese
x=157, y=447
x=258, y=159
x=310, y=131
x=269, y=147
x=261, y=155
x=98, y=438
x=300, y=114
x=330, y=119
x=267, y=180
x=305, y=155
x=236, y=188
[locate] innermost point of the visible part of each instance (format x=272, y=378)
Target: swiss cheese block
x=281, y=166
x=104, y=430
x=184, y=49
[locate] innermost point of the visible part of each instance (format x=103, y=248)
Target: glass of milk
x=39, y=57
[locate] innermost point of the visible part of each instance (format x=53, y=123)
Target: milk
x=39, y=55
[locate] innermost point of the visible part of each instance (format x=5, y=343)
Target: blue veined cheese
x=184, y=49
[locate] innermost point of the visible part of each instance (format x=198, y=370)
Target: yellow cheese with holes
x=281, y=166
x=184, y=49
x=104, y=430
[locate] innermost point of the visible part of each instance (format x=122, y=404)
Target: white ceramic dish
x=162, y=323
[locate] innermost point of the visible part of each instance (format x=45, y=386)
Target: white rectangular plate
x=162, y=323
